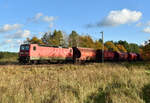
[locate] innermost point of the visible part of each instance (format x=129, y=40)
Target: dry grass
x=91, y=83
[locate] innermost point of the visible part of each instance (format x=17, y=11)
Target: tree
x=86, y=41
x=146, y=51
x=46, y=38
x=100, y=40
x=121, y=48
x=134, y=48
x=65, y=39
x=73, y=39
x=111, y=46
x=98, y=45
x=55, y=38
x=33, y=40
x=125, y=44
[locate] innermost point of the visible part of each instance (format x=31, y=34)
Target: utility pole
x=102, y=46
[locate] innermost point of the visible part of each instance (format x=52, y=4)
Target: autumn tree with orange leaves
x=33, y=40
x=111, y=46
x=146, y=51
x=121, y=48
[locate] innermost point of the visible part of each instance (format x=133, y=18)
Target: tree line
x=58, y=38
x=145, y=51
x=7, y=55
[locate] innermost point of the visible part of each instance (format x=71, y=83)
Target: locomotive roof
x=47, y=45
x=53, y=46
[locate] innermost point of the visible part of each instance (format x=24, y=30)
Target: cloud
x=9, y=44
x=49, y=18
x=8, y=41
x=20, y=34
x=148, y=23
x=139, y=24
x=5, y=42
x=146, y=26
x=143, y=24
x=19, y=42
x=91, y=25
x=118, y=17
x=36, y=18
x=41, y=17
x=38, y=15
x=146, y=30
x=9, y=27
x=124, y=16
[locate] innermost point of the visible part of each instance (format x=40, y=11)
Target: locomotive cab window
x=27, y=47
x=22, y=47
x=34, y=48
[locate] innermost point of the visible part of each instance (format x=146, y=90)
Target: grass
x=68, y=83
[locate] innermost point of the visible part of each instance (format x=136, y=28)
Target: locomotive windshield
x=24, y=47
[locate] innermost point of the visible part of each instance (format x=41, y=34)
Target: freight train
x=34, y=53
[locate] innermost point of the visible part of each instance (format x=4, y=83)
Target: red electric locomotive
x=34, y=52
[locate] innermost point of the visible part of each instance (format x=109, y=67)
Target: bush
x=7, y=55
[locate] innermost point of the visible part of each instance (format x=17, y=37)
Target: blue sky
x=119, y=19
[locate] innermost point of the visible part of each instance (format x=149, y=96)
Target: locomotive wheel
x=48, y=61
x=38, y=62
x=33, y=62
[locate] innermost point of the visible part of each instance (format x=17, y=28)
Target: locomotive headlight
x=21, y=52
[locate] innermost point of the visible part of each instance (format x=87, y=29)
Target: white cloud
x=5, y=42
x=119, y=17
x=143, y=24
x=148, y=23
x=9, y=27
x=19, y=42
x=20, y=34
x=41, y=17
x=49, y=18
x=8, y=41
x=146, y=30
x=139, y=24
x=10, y=45
x=35, y=18
x=38, y=16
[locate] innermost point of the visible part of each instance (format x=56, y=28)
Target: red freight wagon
x=84, y=54
x=132, y=56
x=35, y=52
x=122, y=56
x=108, y=55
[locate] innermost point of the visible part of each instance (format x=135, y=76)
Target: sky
x=119, y=20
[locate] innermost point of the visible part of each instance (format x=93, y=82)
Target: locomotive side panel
x=50, y=53
x=34, y=52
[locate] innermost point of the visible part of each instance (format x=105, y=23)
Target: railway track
x=38, y=65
